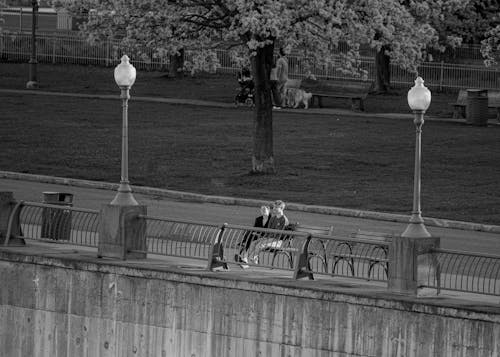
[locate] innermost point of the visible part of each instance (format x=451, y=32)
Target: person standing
x=282, y=74
x=275, y=95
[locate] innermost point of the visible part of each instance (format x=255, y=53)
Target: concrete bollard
x=405, y=263
x=122, y=234
x=7, y=204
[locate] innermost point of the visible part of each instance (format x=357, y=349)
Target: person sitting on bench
x=261, y=221
x=277, y=221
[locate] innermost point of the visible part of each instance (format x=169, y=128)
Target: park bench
x=461, y=104
x=356, y=91
x=376, y=253
x=363, y=249
x=289, y=250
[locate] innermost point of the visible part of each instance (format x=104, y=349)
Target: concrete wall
x=67, y=307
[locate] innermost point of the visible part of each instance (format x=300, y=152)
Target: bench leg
x=458, y=112
x=357, y=104
x=498, y=114
x=320, y=103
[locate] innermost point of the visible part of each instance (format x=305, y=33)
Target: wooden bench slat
x=357, y=91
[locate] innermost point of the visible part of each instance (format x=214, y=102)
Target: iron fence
x=56, y=224
x=75, y=50
x=351, y=257
x=180, y=238
x=358, y=255
x=260, y=247
x=463, y=271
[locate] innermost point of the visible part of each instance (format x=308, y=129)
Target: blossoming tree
x=314, y=27
x=2, y=5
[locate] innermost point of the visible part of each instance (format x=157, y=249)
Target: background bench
x=460, y=105
x=356, y=91
x=289, y=249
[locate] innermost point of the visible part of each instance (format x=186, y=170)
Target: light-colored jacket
x=273, y=76
x=282, y=69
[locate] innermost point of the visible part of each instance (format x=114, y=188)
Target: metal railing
x=74, y=49
x=55, y=224
x=180, y=238
x=464, y=272
x=357, y=255
x=351, y=257
x=278, y=249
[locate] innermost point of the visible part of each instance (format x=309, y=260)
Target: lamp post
x=419, y=99
x=33, y=83
x=125, y=75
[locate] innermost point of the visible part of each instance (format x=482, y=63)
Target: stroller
x=246, y=90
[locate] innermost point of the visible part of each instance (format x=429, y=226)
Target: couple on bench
x=254, y=242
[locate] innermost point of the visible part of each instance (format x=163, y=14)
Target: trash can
x=56, y=222
x=477, y=107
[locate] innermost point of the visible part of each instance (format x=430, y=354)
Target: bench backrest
x=493, y=97
x=337, y=86
x=321, y=230
x=293, y=83
x=375, y=236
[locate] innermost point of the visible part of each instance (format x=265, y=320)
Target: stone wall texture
x=51, y=307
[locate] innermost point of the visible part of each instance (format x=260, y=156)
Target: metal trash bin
x=477, y=107
x=56, y=222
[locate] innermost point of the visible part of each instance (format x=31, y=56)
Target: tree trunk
x=382, y=64
x=176, y=67
x=263, y=155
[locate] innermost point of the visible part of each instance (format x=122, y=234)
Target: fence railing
x=56, y=224
x=464, y=271
x=349, y=257
x=180, y=238
x=75, y=50
x=303, y=253
x=277, y=249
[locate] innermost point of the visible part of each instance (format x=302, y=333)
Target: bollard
x=404, y=260
x=122, y=233
x=8, y=216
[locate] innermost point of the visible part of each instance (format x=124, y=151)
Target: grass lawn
x=222, y=87
x=346, y=162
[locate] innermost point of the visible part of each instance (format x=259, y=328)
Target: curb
x=182, y=195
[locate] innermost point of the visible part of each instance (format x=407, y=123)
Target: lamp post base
x=416, y=230
x=32, y=85
x=124, y=196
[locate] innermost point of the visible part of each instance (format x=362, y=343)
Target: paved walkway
x=89, y=197
x=214, y=209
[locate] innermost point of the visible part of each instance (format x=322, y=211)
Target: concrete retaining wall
x=55, y=307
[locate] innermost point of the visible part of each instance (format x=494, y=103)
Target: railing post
x=108, y=60
x=409, y=261
x=441, y=76
x=21, y=20
x=301, y=266
x=216, y=254
x=9, y=220
x=122, y=233
x=54, y=50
